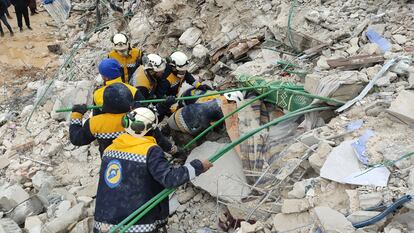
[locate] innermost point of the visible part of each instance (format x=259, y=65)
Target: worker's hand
x=170, y=100
x=80, y=108
x=206, y=165
x=204, y=87
x=180, y=153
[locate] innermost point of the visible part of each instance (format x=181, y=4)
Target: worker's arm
x=144, y=92
x=167, y=175
x=189, y=78
x=79, y=135
x=163, y=141
x=138, y=97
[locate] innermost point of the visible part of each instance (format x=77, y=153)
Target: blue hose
x=386, y=212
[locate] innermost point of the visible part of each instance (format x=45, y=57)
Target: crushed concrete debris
x=306, y=185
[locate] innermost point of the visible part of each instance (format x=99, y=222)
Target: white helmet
x=234, y=96
x=139, y=122
x=120, y=42
x=154, y=62
x=179, y=60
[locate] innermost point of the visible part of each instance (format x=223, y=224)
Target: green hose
x=225, y=117
x=177, y=99
x=144, y=209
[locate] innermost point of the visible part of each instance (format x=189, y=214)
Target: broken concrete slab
x=226, y=178
x=332, y=221
x=368, y=200
x=343, y=85
x=85, y=225
x=191, y=37
x=317, y=159
x=290, y=222
x=31, y=206
x=33, y=224
x=7, y=225
x=402, y=108
x=42, y=179
x=344, y=167
x=361, y=215
x=12, y=195
x=290, y=206
x=355, y=62
x=62, y=223
x=88, y=190
x=246, y=227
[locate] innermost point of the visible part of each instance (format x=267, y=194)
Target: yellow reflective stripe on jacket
x=126, y=143
x=175, y=82
x=76, y=115
x=142, y=80
x=98, y=94
x=126, y=62
x=106, y=126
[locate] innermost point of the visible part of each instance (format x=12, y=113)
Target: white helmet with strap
x=139, y=122
x=234, y=96
x=154, y=62
x=120, y=41
x=179, y=60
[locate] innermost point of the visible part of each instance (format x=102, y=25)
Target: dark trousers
x=20, y=13
x=4, y=20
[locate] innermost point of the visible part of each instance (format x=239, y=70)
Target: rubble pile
x=334, y=171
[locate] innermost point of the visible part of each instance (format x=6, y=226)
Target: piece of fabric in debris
x=259, y=151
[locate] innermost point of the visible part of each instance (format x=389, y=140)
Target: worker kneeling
x=134, y=170
x=196, y=116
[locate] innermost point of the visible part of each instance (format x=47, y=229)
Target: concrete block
x=369, y=200
x=33, y=224
x=7, y=225
x=360, y=216
x=295, y=205
x=62, y=223
x=191, y=37
x=332, y=221
x=216, y=181
x=290, y=222
x=402, y=108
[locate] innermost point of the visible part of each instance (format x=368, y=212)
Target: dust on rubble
x=28, y=48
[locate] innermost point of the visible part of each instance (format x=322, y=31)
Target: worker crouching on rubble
x=109, y=69
x=134, y=170
x=129, y=58
x=107, y=126
x=197, y=115
x=148, y=78
x=176, y=72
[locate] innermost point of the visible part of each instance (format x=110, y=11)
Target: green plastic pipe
x=144, y=209
x=178, y=99
x=225, y=117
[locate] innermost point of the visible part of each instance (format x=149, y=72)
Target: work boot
x=11, y=34
x=2, y=34
x=21, y=29
x=29, y=28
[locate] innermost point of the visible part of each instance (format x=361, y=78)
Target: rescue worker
x=147, y=79
x=149, y=75
x=176, y=72
x=109, y=69
x=133, y=170
x=107, y=126
x=129, y=58
x=197, y=115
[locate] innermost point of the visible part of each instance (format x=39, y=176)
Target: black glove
x=170, y=100
x=180, y=153
x=204, y=87
x=80, y=108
